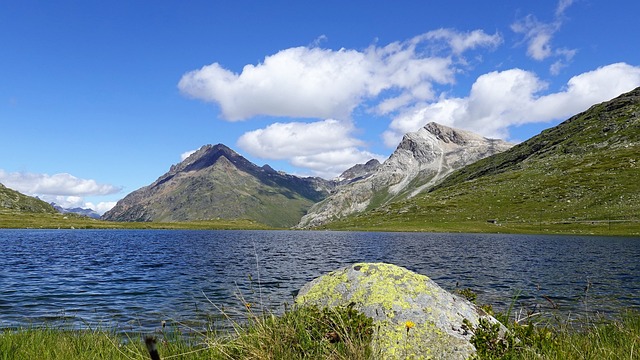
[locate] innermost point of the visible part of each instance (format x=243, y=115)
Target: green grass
x=25, y=220
x=301, y=333
x=312, y=333
x=387, y=221
x=594, y=195
x=60, y=343
x=601, y=339
x=619, y=339
x=580, y=177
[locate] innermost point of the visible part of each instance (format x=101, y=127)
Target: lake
x=131, y=280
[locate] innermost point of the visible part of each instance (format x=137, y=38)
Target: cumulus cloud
x=62, y=184
x=282, y=140
x=311, y=82
x=498, y=100
x=329, y=164
x=315, y=83
x=325, y=147
x=538, y=36
x=64, y=189
x=101, y=207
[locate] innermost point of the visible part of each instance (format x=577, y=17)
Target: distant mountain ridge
x=358, y=172
x=216, y=182
x=584, y=170
x=77, y=210
x=421, y=160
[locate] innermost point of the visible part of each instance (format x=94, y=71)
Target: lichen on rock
x=414, y=318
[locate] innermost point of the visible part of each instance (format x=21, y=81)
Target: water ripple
x=135, y=279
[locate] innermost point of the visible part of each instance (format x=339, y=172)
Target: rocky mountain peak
x=422, y=159
x=359, y=171
x=204, y=157
x=449, y=135
x=217, y=182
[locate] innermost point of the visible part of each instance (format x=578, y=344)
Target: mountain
x=421, y=160
x=11, y=200
x=216, y=182
x=358, y=172
x=77, y=210
x=584, y=170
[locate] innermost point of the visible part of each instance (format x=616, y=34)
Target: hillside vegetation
x=578, y=177
x=217, y=183
x=29, y=220
x=13, y=201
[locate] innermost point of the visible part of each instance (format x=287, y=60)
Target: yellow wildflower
x=409, y=324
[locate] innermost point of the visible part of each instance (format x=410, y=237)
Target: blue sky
x=98, y=99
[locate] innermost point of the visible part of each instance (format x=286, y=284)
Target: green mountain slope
x=13, y=201
x=585, y=171
x=218, y=183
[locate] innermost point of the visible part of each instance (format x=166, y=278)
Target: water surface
x=134, y=279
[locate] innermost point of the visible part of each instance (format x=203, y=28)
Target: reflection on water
x=135, y=279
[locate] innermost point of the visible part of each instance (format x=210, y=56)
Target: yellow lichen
x=386, y=291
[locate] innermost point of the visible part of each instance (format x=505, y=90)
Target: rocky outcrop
x=215, y=182
x=421, y=160
x=358, y=172
x=414, y=318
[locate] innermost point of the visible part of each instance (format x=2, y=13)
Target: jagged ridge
x=420, y=161
x=582, y=171
x=216, y=182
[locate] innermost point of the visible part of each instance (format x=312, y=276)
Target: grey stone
x=414, y=318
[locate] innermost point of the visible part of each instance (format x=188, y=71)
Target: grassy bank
x=402, y=222
x=607, y=339
x=551, y=226
x=303, y=333
x=18, y=220
x=311, y=333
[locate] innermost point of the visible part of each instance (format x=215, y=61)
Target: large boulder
x=414, y=318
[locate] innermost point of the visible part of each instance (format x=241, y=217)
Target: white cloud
x=562, y=6
x=325, y=147
x=460, y=42
x=101, y=207
x=539, y=35
x=284, y=140
x=330, y=164
x=64, y=189
x=62, y=184
x=499, y=100
x=444, y=112
x=565, y=56
x=310, y=82
x=66, y=202
x=70, y=202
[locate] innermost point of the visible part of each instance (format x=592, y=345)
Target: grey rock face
x=421, y=160
x=359, y=171
x=414, y=318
